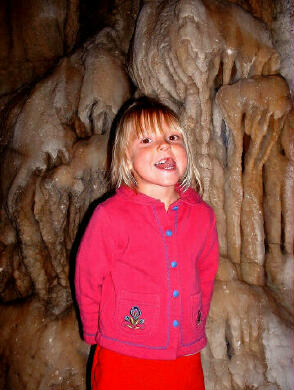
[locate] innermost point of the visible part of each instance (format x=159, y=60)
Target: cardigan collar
x=189, y=196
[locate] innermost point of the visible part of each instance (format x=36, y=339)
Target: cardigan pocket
x=192, y=327
x=137, y=314
x=196, y=310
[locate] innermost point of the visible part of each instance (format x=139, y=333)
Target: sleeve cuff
x=90, y=338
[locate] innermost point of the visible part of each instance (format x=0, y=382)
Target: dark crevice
x=246, y=143
x=229, y=349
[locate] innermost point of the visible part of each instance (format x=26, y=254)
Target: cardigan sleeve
x=208, y=264
x=92, y=264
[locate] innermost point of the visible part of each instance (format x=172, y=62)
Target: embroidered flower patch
x=134, y=321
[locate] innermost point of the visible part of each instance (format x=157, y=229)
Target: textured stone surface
x=283, y=34
x=38, y=352
x=217, y=67
x=196, y=42
x=26, y=53
x=55, y=161
x=250, y=345
x=262, y=9
x=239, y=138
x=261, y=121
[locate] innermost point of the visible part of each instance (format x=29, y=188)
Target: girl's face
x=157, y=159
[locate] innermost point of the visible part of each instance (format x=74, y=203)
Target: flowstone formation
x=216, y=66
x=55, y=164
x=53, y=167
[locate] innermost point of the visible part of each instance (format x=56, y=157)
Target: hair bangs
x=150, y=121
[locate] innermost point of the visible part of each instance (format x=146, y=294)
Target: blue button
x=173, y=264
x=176, y=293
x=175, y=208
x=169, y=233
x=175, y=323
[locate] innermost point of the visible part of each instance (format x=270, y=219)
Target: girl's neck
x=167, y=195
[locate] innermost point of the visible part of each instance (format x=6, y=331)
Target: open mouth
x=168, y=164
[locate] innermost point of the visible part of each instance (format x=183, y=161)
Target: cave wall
x=34, y=35
x=224, y=68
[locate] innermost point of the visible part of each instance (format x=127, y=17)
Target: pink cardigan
x=144, y=277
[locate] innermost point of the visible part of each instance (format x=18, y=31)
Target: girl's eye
x=174, y=137
x=146, y=140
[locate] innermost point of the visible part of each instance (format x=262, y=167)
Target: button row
x=176, y=293
x=173, y=264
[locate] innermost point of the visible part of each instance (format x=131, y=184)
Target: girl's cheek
x=185, y=153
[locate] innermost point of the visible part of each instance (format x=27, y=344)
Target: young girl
x=147, y=262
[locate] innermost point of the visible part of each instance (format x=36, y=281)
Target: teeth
x=160, y=162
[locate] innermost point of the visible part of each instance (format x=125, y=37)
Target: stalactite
x=44, y=160
x=182, y=62
x=262, y=120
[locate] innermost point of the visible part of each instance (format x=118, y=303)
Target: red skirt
x=111, y=370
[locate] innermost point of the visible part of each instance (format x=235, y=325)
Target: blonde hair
x=142, y=114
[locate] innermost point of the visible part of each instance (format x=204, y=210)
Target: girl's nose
x=164, y=145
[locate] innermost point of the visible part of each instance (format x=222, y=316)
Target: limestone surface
x=217, y=66
x=26, y=53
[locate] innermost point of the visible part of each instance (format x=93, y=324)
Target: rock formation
x=217, y=67
x=26, y=52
